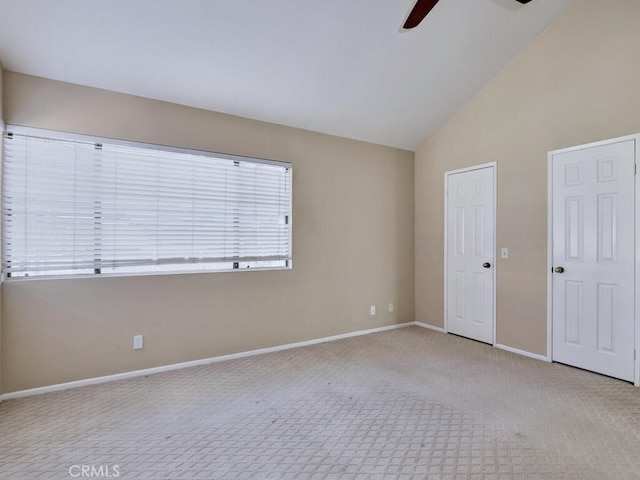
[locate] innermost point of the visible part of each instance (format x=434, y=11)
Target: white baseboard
x=430, y=327
x=193, y=363
x=524, y=353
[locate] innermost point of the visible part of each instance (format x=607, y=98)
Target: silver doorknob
x=558, y=269
x=486, y=265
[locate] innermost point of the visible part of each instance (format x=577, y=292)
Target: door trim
x=636, y=139
x=447, y=174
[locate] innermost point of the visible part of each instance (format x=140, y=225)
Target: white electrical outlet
x=504, y=253
x=391, y=307
x=372, y=309
x=138, y=341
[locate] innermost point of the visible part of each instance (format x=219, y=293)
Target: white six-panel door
x=470, y=238
x=593, y=244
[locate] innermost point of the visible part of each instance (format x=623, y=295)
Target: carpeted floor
x=404, y=404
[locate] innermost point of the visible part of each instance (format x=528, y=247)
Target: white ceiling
x=342, y=67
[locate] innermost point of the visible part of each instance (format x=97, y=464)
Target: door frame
x=636, y=139
x=447, y=174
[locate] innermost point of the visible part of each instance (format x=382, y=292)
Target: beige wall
x=577, y=82
x=352, y=240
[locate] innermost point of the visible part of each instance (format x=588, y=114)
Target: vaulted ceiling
x=342, y=67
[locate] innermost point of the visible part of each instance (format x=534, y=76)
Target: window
x=73, y=206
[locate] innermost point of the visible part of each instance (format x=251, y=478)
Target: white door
x=470, y=226
x=593, y=258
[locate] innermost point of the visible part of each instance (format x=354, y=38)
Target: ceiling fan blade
x=420, y=10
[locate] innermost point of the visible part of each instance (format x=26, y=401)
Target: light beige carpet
x=404, y=404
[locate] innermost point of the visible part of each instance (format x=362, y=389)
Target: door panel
x=470, y=243
x=573, y=312
x=593, y=241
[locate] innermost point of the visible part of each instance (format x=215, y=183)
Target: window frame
x=160, y=268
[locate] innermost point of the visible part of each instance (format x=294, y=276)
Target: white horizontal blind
x=76, y=207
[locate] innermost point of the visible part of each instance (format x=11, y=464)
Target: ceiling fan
x=422, y=8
